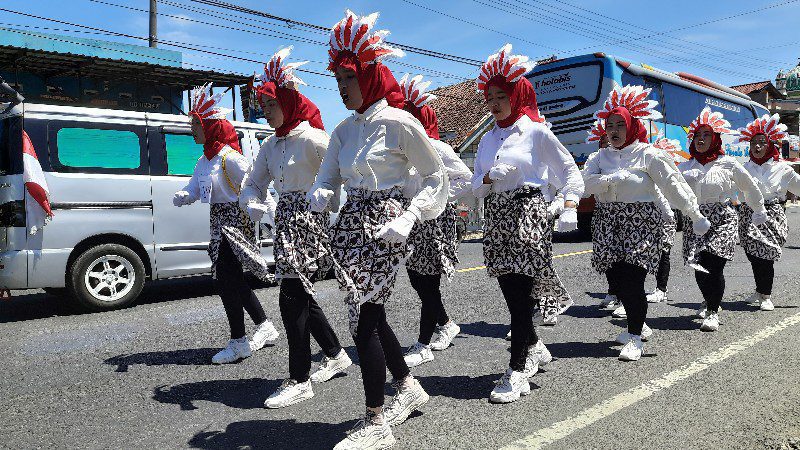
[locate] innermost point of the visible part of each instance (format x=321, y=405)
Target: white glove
x=500, y=170
x=258, y=211
x=616, y=177
x=318, y=199
x=181, y=198
x=759, y=218
x=397, y=230
x=568, y=220
x=555, y=208
x=692, y=174
x=701, y=226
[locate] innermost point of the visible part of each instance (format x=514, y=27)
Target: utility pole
x=153, y=23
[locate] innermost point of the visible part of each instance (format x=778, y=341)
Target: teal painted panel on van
x=107, y=149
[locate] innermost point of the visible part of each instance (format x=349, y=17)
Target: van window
x=182, y=153
x=106, y=149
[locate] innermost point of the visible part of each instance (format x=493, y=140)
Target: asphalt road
x=142, y=377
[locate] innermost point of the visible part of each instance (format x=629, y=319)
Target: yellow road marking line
x=563, y=255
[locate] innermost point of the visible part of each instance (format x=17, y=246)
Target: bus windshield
x=565, y=89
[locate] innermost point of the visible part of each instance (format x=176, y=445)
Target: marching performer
x=763, y=243
x=371, y=153
x=516, y=162
x=216, y=180
x=715, y=178
x=433, y=243
x=627, y=227
x=290, y=159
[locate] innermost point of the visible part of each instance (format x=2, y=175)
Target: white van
x=112, y=175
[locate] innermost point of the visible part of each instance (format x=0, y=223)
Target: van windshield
x=566, y=89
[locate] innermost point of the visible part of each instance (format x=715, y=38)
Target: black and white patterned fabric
x=669, y=228
x=764, y=241
x=230, y=222
x=518, y=238
x=434, y=245
x=366, y=267
x=302, y=242
x=720, y=240
x=627, y=232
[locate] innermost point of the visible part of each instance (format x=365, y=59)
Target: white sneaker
x=624, y=337
x=444, y=336
x=766, y=305
x=408, y=399
x=531, y=363
x=754, y=299
x=657, y=296
x=711, y=322
x=543, y=353
x=646, y=332
x=701, y=313
x=508, y=336
x=620, y=313
x=289, y=393
x=550, y=320
x=330, y=367
x=266, y=332
x=237, y=349
x=367, y=435
x=608, y=301
x=418, y=354
x=510, y=387
x=633, y=349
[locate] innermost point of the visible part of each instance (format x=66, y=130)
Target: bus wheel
x=106, y=277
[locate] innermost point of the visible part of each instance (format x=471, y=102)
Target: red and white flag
x=38, y=214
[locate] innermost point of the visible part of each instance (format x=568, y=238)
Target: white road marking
x=564, y=428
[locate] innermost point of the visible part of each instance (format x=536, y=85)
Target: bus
x=569, y=91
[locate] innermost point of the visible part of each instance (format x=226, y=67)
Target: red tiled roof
x=751, y=87
x=459, y=108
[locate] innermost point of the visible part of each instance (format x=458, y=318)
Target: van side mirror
x=8, y=92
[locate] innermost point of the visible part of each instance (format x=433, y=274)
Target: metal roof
x=50, y=64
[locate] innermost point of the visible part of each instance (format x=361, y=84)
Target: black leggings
x=378, y=348
x=612, y=289
x=628, y=280
x=517, y=292
x=662, y=275
x=432, y=312
x=711, y=284
x=302, y=318
x=235, y=293
x=763, y=272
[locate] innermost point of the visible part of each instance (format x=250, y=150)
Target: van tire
x=117, y=262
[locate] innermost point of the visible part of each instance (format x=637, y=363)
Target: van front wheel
x=106, y=277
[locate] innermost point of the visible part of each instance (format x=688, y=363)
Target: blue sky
x=748, y=47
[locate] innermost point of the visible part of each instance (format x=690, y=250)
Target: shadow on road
x=484, y=329
x=241, y=394
x=586, y=312
x=461, y=387
x=272, y=434
x=184, y=357
x=566, y=350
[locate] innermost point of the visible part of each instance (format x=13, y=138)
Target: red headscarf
x=427, y=116
x=374, y=80
x=713, y=152
x=634, y=130
x=295, y=106
x=772, y=152
x=522, y=98
x=219, y=133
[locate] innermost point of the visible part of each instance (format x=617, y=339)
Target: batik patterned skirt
x=366, y=266
x=302, y=242
x=627, y=232
x=230, y=222
x=434, y=245
x=720, y=240
x=518, y=238
x=764, y=241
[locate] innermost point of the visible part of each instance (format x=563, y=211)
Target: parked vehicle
x=112, y=175
x=570, y=90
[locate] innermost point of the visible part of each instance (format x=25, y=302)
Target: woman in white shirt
x=290, y=160
x=216, y=180
x=627, y=225
x=433, y=243
x=763, y=243
x=714, y=178
x=371, y=153
x=517, y=161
